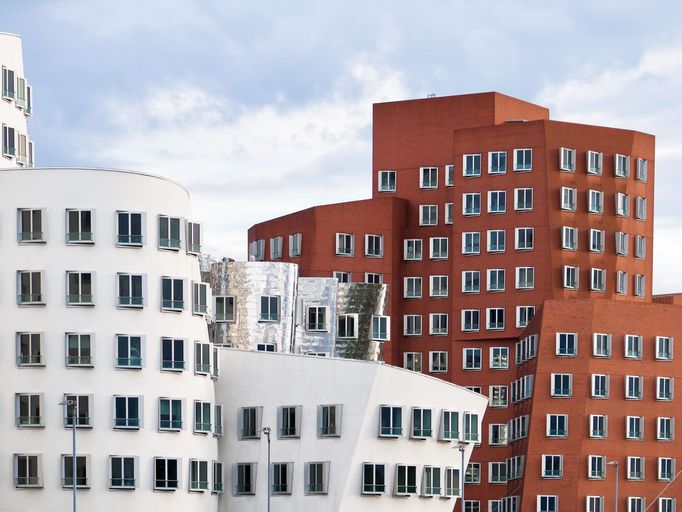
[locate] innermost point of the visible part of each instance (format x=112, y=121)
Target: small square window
x=497, y=162
x=523, y=199
x=523, y=160
x=31, y=225
x=374, y=246
x=387, y=181
x=79, y=226
x=471, y=203
x=472, y=165
x=523, y=239
x=428, y=215
x=428, y=177
x=345, y=244
x=130, y=229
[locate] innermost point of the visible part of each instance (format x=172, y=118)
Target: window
x=471, y=203
x=499, y=358
x=557, y=425
x=471, y=243
x=569, y=238
x=276, y=248
x=390, y=421
x=428, y=215
x=621, y=243
x=129, y=230
x=428, y=177
x=596, y=240
x=413, y=287
x=431, y=481
x=250, y=422
x=217, y=477
x=28, y=410
x=547, y=504
x=405, y=480
x=269, y=308
x=130, y=290
x=601, y=345
x=342, y=277
x=421, y=423
x=79, y=226
x=471, y=427
x=497, y=201
x=172, y=354
x=412, y=361
x=471, y=281
x=345, y=244
x=621, y=282
x=29, y=349
x=78, y=349
x=127, y=412
x=621, y=166
x=128, y=351
x=82, y=471
x=666, y=469
x=218, y=419
x=598, y=423
x=640, y=208
x=633, y=346
x=667, y=504
x=664, y=348
x=439, y=286
x=224, y=309
x=552, y=466
x=524, y=199
x=449, y=425
x=498, y=435
x=635, y=504
x=412, y=325
x=438, y=324
x=413, y=250
x=172, y=294
x=9, y=147
x=166, y=473
x=374, y=246
x=633, y=387
x=194, y=241
x=639, y=285
x=568, y=198
x=347, y=326
x=562, y=384
x=449, y=175
x=380, y=328
x=472, y=165
x=373, y=478
x=316, y=477
x=438, y=362
x=470, y=320
x=316, y=319
x=596, y=467
x=245, y=481
x=29, y=104
x=198, y=475
x=496, y=280
x=282, y=473
x=170, y=414
x=387, y=181
x=497, y=162
x=169, y=232
x=524, y=314
x=295, y=244
x=496, y=240
x=449, y=213
x=523, y=159
x=79, y=289
x=31, y=225
x=641, y=174
x=289, y=421
x=635, y=468
x=8, y=83
x=566, y=344
x=594, y=503
x=373, y=278
x=600, y=385
x=594, y=162
x=571, y=277
x=471, y=358
x=494, y=319
x=472, y=475
x=597, y=279
x=567, y=159
x=525, y=278
x=202, y=358
x=439, y=248
x=664, y=388
x=622, y=204
x=257, y=250
x=523, y=239
x=329, y=420
x=28, y=470
x=595, y=201
x=665, y=430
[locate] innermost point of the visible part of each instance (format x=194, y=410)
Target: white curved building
x=101, y=303
x=16, y=104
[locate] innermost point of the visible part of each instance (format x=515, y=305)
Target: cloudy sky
x=261, y=108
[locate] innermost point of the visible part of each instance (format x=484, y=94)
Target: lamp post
x=462, y=447
x=614, y=463
x=71, y=404
x=266, y=431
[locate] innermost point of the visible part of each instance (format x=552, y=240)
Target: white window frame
x=521, y=203
x=438, y=248
x=523, y=160
x=526, y=283
x=640, y=247
x=428, y=214
x=521, y=242
x=567, y=158
x=438, y=324
x=497, y=201
x=621, y=166
x=496, y=240
x=345, y=244
x=494, y=157
x=471, y=242
x=412, y=287
x=471, y=281
x=471, y=204
x=386, y=181
x=568, y=199
x=428, y=177
x=471, y=165
x=595, y=162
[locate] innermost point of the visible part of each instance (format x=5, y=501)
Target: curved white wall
x=105, y=192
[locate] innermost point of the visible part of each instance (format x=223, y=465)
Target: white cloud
x=245, y=165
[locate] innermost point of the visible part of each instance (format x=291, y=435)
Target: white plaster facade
x=270, y=381
x=16, y=104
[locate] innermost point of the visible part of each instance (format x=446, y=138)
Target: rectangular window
x=29, y=349
x=82, y=475
x=496, y=280
x=428, y=177
x=571, y=277
x=449, y=213
x=471, y=242
x=390, y=421
x=568, y=198
x=29, y=410
x=79, y=226
x=250, y=422
x=634, y=427
x=621, y=282
x=431, y=484
x=596, y=467
x=329, y=420
x=667, y=504
x=413, y=287
x=316, y=477
x=373, y=478
x=342, y=277
x=405, y=480
x=347, y=326
x=257, y=250
x=595, y=201
x=472, y=165
x=128, y=351
x=666, y=469
x=172, y=294
x=449, y=175
x=494, y=319
x=497, y=162
x=523, y=239
x=412, y=325
x=525, y=278
x=28, y=471
x=449, y=426
x=621, y=243
x=169, y=232
x=523, y=159
x=202, y=358
x=569, y=238
x=524, y=314
x=269, y=308
x=438, y=362
x=428, y=215
x=471, y=203
x=380, y=328
x=470, y=320
x=621, y=166
x=166, y=474
x=421, y=423
x=79, y=349
x=345, y=244
x=387, y=181
x=594, y=503
x=597, y=279
x=31, y=225
x=635, y=504
x=642, y=172
x=640, y=208
x=622, y=204
x=412, y=361
x=130, y=290
x=523, y=199
x=665, y=429
x=499, y=358
x=9, y=146
x=471, y=427
x=374, y=246
x=170, y=414
x=289, y=421
x=664, y=348
x=438, y=324
x=439, y=248
x=557, y=425
x=472, y=475
x=552, y=466
x=8, y=83
x=497, y=201
x=276, y=244
x=172, y=354
x=633, y=387
x=600, y=385
x=566, y=344
x=547, y=504
x=79, y=291
x=562, y=385
x=439, y=286
x=245, y=481
x=282, y=473
x=295, y=244
x=471, y=358
x=567, y=159
x=596, y=240
x=194, y=239
x=224, y=309
x=316, y=319
x=633, y=346
x=129, y=228
x=198, y=475
x=498, y=435
x=471, y=281
x=127, y=412
x=601, y=345
x=413, y=250
x=664, y=388
x=595, y=162
x=598, y=426
x=496, y=240
x=639, y=285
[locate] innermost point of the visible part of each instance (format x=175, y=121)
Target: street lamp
x=266, y=431
x=72, y=405
x=614, y=463
x=462, y=447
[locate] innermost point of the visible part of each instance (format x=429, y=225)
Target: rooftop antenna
x=431, y=95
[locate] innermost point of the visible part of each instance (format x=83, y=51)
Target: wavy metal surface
x=364, y=300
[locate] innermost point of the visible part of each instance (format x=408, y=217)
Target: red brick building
x=519, y=254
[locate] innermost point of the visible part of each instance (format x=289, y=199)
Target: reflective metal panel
x=365, y=300
x=310, y=335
